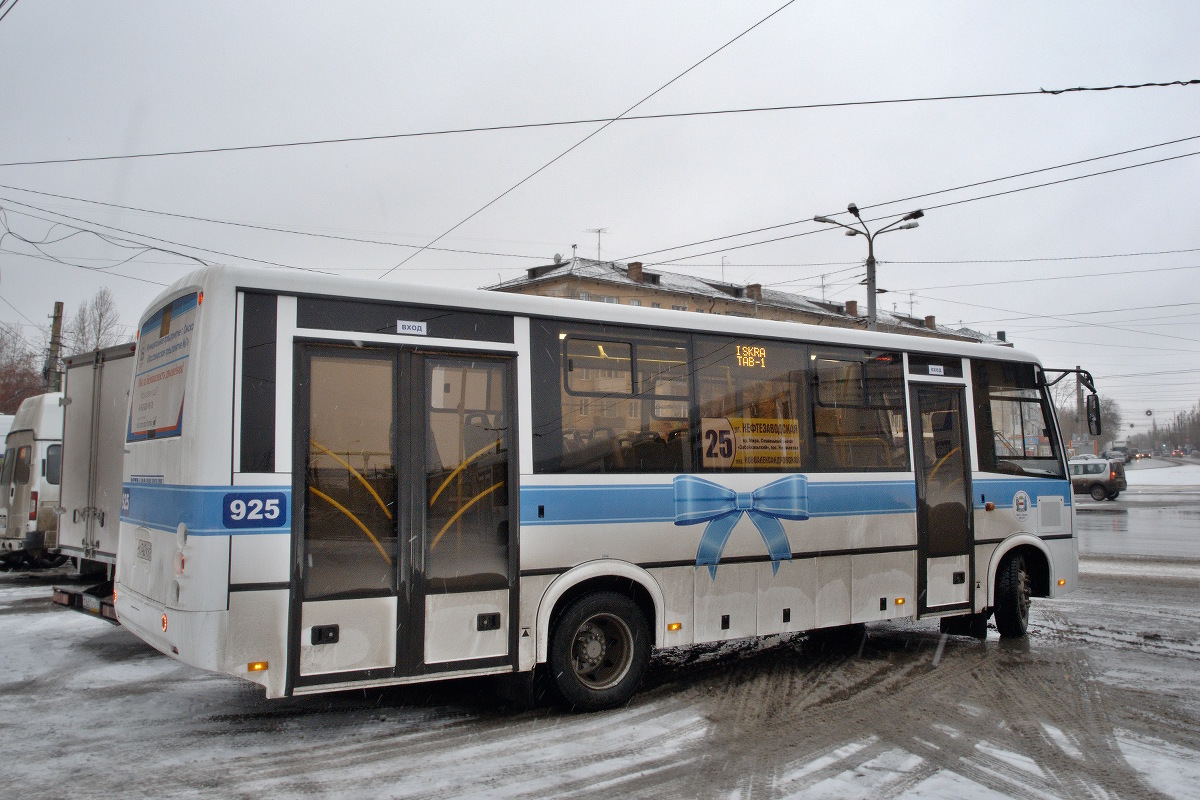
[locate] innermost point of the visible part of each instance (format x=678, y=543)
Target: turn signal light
x=33, y=506
x=899, y=601
x=257, y=666
x=164, y=623
x=1062, y=581
x=674, y=626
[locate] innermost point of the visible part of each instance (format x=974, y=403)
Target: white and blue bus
x=333, y=483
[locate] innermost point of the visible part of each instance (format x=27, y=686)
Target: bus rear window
x=20, y=473
x=164, y=346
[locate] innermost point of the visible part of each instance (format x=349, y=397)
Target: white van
x=29, y=482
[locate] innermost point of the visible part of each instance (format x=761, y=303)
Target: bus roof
x=217, y=279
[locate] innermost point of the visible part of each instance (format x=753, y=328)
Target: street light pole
x=909, y=220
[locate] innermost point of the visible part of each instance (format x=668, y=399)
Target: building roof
x=826, y=312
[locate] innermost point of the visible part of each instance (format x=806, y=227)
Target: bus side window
x=1014, y=432
x=619, y=400
x=858, y=411
x=752, y=405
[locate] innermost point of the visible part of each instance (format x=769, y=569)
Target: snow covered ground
x=1100, y=701
x=1161, y=472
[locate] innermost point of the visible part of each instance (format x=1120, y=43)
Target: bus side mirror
x=1093, y=414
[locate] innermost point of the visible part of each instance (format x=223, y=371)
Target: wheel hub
x=589, y=648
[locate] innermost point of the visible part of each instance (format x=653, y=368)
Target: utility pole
x=50, y=372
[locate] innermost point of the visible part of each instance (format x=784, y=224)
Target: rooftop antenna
x=598, y=232
x=911, y=302
x=723, y=259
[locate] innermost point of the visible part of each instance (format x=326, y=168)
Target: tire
x=599, y=651
x=1012, y=597
x=1113, y=495
x=1098, y=492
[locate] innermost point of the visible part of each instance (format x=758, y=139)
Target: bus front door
x=945, y=538
x=403, y=564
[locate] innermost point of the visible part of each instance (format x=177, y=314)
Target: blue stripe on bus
x=627, y=503
x=204, y=509
x=1001, y=490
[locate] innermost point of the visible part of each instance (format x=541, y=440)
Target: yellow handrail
x=353, y=519
x=938, y=465
x=459, y=469
x=355, y=473
x=462, y=511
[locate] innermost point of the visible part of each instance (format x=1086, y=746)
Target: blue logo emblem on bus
x=698, y=500
x=254, y=510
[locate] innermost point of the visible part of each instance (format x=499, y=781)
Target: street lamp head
x=851, y=232
x=915, y=215
x=853, y=209
x=826, y=220
x=908, y=225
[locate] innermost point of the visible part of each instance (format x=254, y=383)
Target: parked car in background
x=1102, y=478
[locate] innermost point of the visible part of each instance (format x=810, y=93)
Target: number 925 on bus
x=254, y=510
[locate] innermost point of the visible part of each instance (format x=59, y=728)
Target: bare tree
x=96, y=324
x=20, y=376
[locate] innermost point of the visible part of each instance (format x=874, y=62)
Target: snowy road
x=1101, y=701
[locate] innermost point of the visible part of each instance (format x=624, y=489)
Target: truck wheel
x=1098, y=492
x=1012, y=597
x=599, y=651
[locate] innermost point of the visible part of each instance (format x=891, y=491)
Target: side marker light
x=257, y=666
x=899, y=601
x=1062, y=581
x=989, y=506
x=164, y=623
x=674, y=626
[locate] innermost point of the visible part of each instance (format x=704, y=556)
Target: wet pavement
x=1147, y=520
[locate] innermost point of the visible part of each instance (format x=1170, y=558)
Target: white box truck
x=95, y=410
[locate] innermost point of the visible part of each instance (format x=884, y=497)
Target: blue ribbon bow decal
x=698, y=500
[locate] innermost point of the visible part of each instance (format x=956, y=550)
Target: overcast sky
x=1051, y=266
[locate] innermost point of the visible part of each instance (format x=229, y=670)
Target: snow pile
x=1166, y=475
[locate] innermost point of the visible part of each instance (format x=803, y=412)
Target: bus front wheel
x=1013, y=585
x=599, y=651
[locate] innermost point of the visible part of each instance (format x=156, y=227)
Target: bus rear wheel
x=1013, y=586
x=599, y=651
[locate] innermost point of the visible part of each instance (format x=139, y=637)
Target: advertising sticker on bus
x=750, y=443
x=164, y=344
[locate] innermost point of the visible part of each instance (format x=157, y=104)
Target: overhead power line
x=941, y=205
x=1045, y=258
x=601, y=120
x=1087, y=275
x=582, y=141
x=274, y=229
x=908, y=199
x=86, y=223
